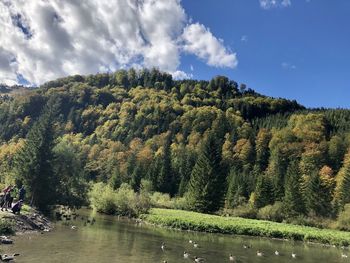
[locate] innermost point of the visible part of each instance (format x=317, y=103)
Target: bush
x=102, y=198
x=343, y=222
x=6, y=227
x=272, y=212
x=161, y=200
x=246, y=211
x=180, y=203
x=311, y=221
x=123, y=201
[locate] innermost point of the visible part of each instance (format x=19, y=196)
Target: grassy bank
x=234, y=225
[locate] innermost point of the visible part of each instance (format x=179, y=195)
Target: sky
x=295, y=49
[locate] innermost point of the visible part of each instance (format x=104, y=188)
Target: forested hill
x=132, y=125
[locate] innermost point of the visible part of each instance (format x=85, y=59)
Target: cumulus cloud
x=288, y=66
x=268, y=4
x=181, y=75
x=45, y=39
x=200, y=41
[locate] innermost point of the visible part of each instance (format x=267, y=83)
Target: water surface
x=119, y=240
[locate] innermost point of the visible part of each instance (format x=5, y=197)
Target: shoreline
x=30, y=221
x=192, y=221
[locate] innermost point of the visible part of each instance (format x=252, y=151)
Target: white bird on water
x=277, y=253
x=344, y=255
x=198, y=260
x=232, y=258
x=195, y=245
x=186, y=255
x=162, y=246
x=294, y=255
x=259, y=253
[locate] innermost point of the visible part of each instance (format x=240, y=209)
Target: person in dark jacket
x=7, y=198
x=21, y=193
x=16, y=208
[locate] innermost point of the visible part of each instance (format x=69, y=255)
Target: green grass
x=241, y=226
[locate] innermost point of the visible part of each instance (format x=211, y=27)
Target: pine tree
x=136, y=178
x=207, y=183
x=130, y=166
x=153, y=172
x=318, y=196
x=262, y=149
x=185, y=172
x=166, y=183
x=264, y=194
x=293, y=202
x=34, y=163
x=277, y=170
x=237, y=189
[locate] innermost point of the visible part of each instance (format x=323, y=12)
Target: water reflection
x=119, y=240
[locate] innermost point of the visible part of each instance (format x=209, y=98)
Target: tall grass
x=241, y=226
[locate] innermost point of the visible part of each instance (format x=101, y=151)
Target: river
x=111, y=239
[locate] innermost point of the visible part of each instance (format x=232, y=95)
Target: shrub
x=311, y=221
x=123, y=201
x=343, y=222
x=102, y=198
x=6, y=227
x=180, y=203
x=161, y=200
x=271, y=212
x=246, y=211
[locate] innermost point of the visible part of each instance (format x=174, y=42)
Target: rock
x=6, y=241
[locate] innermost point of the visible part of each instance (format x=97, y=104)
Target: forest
x=207, y=146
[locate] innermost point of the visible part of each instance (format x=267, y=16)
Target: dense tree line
x=215, y=142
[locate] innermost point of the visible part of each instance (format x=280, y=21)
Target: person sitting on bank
x=21, y=193
x=16, y=208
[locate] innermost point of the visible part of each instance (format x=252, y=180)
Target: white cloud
x=268, y=4
x=198, y=40
x=288, y=66
x=45, y=39
x=244, y=38
x=181, y=75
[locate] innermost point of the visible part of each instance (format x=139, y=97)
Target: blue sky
x=296, y=49
x=299, y=52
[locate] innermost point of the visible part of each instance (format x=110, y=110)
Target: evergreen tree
x=136, y=178
x=277, y=170
x=130, y=166
x=318, y=196
x=237, y=189
x=154, y=172
x=264, y=194
x=185, y=172
x=166, y=182
x=207, y=183
x=34, y=162
x=293, y=202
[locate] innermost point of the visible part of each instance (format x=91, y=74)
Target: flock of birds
x=231, y=257
x=186, y=255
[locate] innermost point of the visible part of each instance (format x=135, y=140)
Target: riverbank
x=186, y=220
x=30, y=220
